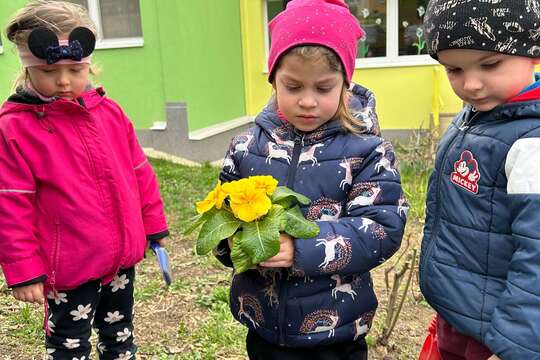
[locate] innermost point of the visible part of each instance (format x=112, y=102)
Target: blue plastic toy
x=163, y=260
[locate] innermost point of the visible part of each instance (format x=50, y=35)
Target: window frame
x=113, y=43
x=392, y=58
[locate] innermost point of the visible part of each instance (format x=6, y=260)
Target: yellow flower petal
x=251, y=204
x=204, y=206
x=266, y=182
x=214, y=198
x=219, y=195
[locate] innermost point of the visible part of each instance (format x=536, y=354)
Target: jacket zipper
x=298, y=143
x=117, y=255
x=463, y=128
x=55, y=256
x=282, y=312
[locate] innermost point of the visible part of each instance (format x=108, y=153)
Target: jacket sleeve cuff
x=223, y=253
x=24, y=270
x=157, y=236
x=154, y=224
x=37, y=280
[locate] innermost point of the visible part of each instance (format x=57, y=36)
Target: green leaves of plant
x=241, y=260
x=219, y=225
x=288, y=198
x=296, y=225
x=258, y=240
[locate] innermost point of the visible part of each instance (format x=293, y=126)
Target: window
x=273, y=7
x=394, y=32
x=372, y=17
x=411, y=31
x=118, y=22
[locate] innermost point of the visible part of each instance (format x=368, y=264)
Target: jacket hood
x=23, y=101
x=361, y=105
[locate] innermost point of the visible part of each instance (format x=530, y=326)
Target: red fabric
x=533, y=94
x=430, y=349
x=456, y=346
x=77, y=194
x=282, y=117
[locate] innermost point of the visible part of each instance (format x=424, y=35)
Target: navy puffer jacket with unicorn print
x=357, y=200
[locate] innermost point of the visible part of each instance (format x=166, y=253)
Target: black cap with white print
x=506, y=26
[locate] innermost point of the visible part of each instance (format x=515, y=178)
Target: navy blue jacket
x=480, y=259
x=357, y=200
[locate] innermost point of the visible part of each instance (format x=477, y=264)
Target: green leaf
x=288, y=198
x=220, y=225
x=298, y=226
x=198, y=220
x=260, y=239
x=241, y=260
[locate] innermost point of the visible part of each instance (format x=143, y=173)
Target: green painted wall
x=9, y=63
x=202, y=58
x=192, y=52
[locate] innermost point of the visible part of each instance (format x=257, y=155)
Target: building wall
x=405, y=94
x=192, y=53
x=202, y=58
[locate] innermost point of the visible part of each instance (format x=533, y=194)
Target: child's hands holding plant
x=284, y=258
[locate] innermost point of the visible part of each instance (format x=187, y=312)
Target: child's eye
x=292, y=87
x=452, y=70
x=75, y=71
x=491, y=65
x=324, y=89
x=48, y=71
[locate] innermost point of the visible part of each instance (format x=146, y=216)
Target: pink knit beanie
x=316, y=22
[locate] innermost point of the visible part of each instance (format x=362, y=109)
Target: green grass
x=220, y=333
x=181, y=187
x=414, y=179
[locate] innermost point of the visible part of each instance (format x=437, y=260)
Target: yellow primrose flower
x=266, y=182
x=236, y=186
x=214, y=198
x=248, y=202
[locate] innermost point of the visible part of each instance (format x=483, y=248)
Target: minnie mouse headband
x=44, y=48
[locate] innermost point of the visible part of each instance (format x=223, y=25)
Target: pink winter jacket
x=77, y=194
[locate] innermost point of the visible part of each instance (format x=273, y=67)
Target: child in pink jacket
x=79, y=201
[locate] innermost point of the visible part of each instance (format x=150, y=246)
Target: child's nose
x=308, y=101
x=472, y=83
x=62, y=80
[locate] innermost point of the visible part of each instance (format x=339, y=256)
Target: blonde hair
x=58, y=16
x=316, y=53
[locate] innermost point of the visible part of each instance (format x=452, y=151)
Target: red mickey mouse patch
x=466, y=173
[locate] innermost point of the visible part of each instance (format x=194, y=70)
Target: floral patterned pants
x=108, y=308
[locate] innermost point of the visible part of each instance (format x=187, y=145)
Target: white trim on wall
x=120, y=43
x=111, y=43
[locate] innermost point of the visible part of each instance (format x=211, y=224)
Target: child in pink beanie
x=319, y=136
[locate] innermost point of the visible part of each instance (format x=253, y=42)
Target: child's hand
x=284, y=258
x=30, y=293
x=494, y=357
x=161, y=242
